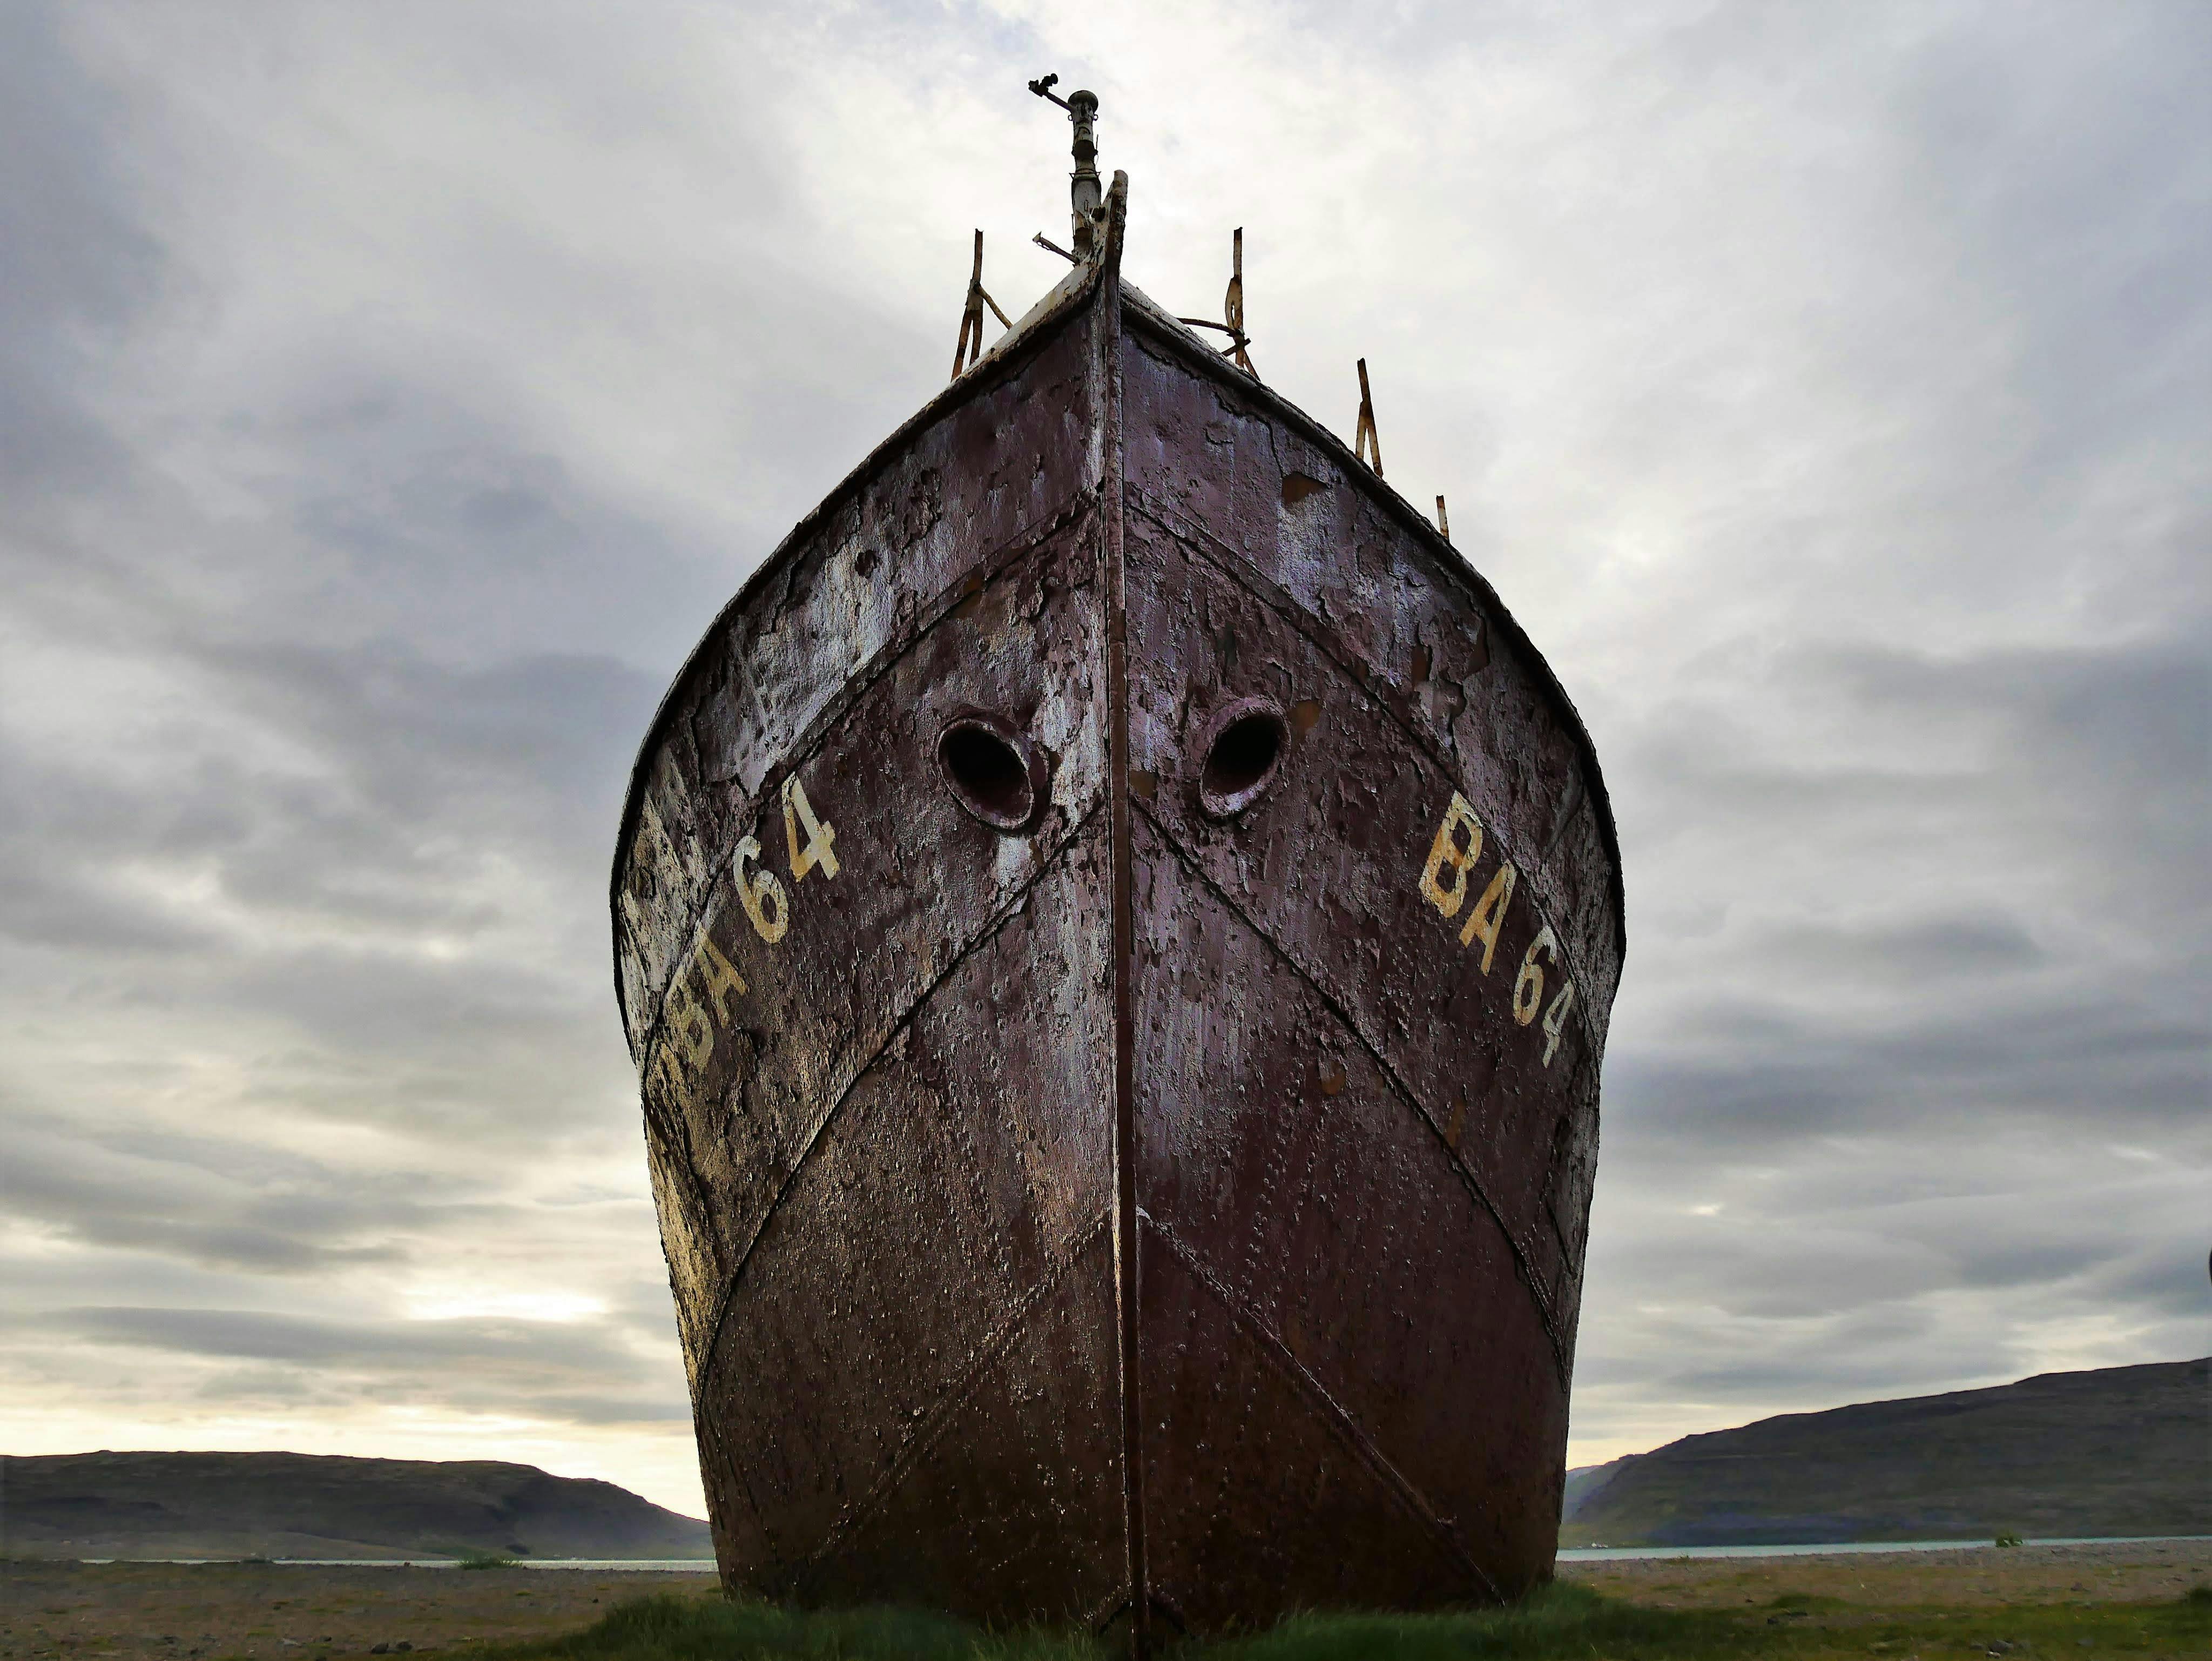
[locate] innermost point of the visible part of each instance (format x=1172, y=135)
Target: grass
x=484, y=1560
x=1561, y=1622
x=669, y=1628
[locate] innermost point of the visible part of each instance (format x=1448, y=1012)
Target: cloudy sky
x=389, y=395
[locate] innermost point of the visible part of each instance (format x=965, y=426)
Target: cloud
x=78, y=264
x=386, y=405
x=575, y=1372
x=539, y=1348
x=227, y=1202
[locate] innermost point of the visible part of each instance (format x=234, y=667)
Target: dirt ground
x=289, y=1612
x=178, y=1611
x=1972, y=1577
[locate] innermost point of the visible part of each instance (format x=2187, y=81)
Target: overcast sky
x=390, y=394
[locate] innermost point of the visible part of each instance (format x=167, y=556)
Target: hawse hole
x=1242, y=759
x=991, y=770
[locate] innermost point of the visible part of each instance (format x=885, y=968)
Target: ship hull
x=1153, y=1194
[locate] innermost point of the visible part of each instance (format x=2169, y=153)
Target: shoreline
x=1873, y=1548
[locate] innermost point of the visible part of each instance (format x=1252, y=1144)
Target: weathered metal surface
x=1117, y=926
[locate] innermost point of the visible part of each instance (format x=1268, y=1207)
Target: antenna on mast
x=1085, y=194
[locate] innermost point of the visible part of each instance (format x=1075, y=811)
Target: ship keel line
x=1106, y=402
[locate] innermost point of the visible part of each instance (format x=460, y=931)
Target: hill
x=298, y=1504
x=1583, y=1481
x=2122, y=1450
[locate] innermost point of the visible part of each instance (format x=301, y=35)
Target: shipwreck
x=1117, y=925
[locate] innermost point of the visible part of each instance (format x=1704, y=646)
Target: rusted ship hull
x=1144, y=1183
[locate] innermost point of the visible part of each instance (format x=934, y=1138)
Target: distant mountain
x=299, y=1504
x=2123, y=1451
x=1583, y=1481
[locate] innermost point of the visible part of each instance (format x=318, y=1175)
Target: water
x=619, y=1565
x=1617, y=1554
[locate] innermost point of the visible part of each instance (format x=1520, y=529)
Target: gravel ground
x=180, y=1611
x=1972, y=1576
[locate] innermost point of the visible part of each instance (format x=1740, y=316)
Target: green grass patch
x=673, y=1628
x=1561, y=1622
x=1803, y=1603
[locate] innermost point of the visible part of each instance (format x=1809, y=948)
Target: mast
x=1086, y=196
